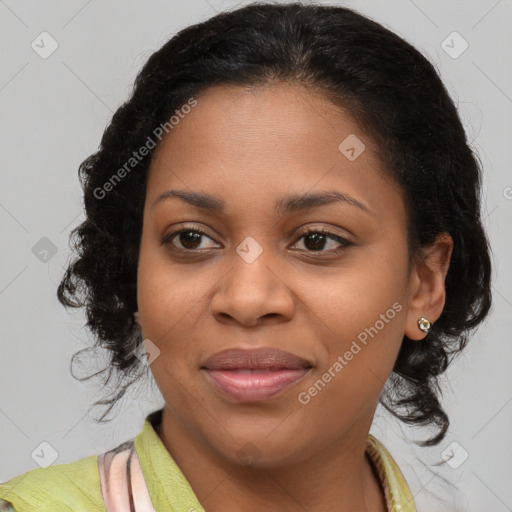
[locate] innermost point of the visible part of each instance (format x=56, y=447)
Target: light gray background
x=53, y=113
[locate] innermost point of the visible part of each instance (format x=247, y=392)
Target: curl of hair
x=398, y=100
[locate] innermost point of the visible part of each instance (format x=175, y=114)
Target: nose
x=253, y=293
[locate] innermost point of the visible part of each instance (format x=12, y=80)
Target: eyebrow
x=287, y=205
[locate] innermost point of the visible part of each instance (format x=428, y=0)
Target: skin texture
x=251, y=147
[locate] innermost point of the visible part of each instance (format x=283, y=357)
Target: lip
x=253, y=375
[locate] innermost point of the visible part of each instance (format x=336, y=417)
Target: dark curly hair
x=397, y=98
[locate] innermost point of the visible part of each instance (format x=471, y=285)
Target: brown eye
x=185, y=239
x=316, y=240
x=189, y=239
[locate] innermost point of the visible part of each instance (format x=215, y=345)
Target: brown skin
x=250, y=147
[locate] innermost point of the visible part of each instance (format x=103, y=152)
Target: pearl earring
x=424, y=324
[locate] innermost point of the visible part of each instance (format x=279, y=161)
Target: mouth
x=253, y=375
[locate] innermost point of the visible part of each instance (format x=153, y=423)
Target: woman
x=283, y=225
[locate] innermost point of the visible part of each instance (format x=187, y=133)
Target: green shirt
x=76, y=486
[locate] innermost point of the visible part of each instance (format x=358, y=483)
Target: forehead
x=252, y=145
x=270, y=120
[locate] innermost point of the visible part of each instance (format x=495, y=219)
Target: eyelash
x=344, y=243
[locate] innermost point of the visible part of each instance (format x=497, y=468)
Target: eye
x=188, y=238
x=315, y=240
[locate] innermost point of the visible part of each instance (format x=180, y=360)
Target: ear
x=427, y=291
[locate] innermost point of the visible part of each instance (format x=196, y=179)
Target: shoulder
x=74, y=486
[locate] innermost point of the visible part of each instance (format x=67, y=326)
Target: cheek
x=166, y=304
x=368, y=314
x=360, y=357
x=365, y=315
x=164, y=296
x=358, y=297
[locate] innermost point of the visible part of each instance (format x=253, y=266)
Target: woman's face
x=257, y=280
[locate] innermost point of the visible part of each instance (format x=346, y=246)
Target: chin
x=258, y=451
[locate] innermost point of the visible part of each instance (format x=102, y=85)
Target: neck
x=339, y=477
